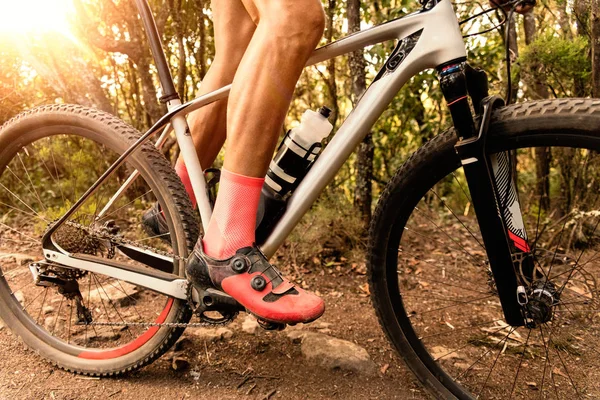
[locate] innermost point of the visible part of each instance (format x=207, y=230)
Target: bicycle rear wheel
x=48, y=158
x=429, y=276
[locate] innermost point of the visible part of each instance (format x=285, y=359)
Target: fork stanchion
x=480, y=179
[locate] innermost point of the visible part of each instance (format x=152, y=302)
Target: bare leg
x=233, y=30
x=287, y=33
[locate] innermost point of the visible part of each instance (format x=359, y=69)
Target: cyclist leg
x=233, y=28
x=287, y=32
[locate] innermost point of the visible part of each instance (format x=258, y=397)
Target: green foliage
x=332, y=228
x=556, y=61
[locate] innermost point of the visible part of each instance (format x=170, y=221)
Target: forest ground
x=248, y=366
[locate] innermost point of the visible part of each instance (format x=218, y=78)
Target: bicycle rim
x=41, y=177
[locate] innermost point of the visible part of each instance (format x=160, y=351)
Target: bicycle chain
x=120, y=240
x=161, y=324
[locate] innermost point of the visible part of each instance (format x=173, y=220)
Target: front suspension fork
x=492, y=185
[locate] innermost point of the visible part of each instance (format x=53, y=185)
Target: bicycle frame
x=429, y=38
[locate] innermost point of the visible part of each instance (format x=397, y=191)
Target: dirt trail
x=253, y=366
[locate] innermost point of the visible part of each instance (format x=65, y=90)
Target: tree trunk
x=595, y=43
x=364, y=155
x=201, y=53
x=542, y=154
x=582, y=15
x=514, y=54
x=182, y=67
x=331, y=78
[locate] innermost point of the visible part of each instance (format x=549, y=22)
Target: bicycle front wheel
x=429, y=275
x=86, y=322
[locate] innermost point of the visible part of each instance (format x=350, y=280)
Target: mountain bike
x=483, y=251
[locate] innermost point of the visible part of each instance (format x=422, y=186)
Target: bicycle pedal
x=270, y=326
x=210, y=299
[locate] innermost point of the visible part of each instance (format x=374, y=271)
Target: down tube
x=351, y=133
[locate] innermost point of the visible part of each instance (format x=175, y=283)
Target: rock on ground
x=180, y=363
x=121, y=293
x=333, y=353
x=211, y=334
x=250, y=325
x=20, y=297
x=21, y=259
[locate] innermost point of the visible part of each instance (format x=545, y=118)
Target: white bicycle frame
x=428, y=38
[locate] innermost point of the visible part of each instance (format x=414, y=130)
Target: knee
x=299, y=24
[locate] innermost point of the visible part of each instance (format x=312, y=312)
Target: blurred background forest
x=94, y=53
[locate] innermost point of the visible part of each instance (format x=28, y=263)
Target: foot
x=155, y=224
x=257, y=285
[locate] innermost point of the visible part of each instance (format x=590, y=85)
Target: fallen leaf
x=557, y=371
x=365, y=288
x=384, y=368
x=532, y=385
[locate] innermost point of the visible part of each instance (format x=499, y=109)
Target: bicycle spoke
x=37, y=320
x=566, y=369
x=511, y=330
x=435, y=240
x=456, y=305
x=103, y=305
x=70, y=317
x=519, y=366
x=454, y=330
x=111, y=303
x=493, y=365
x=131, y=202
x=31, y=182
x=462, y=189
x=20, y=200
x=458, y=219
x=57, y=315
x=451, y=238
x=436, y=267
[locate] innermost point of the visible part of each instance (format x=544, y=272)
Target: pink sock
x=182, y=172
x=233, y=221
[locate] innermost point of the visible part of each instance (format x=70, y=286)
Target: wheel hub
x=542, y=297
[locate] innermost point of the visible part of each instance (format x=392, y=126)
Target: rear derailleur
x=65, y=281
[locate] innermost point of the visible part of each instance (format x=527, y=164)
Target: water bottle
x=295, y=155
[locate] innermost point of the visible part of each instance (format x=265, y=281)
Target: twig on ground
x=206, y=350
x=250, y=390
x=244, y=381
x=270, y=394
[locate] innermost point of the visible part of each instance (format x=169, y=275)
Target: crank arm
x=156, y=280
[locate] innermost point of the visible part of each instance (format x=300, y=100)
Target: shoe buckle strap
x=283, y=287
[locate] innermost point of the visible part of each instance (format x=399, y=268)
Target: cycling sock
x=182, y=172
x=233, y=221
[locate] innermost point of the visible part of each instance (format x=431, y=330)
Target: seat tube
x=180, y=125
x=479, y=175
x=160, y=60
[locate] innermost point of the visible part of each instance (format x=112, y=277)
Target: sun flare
x=21, y=17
